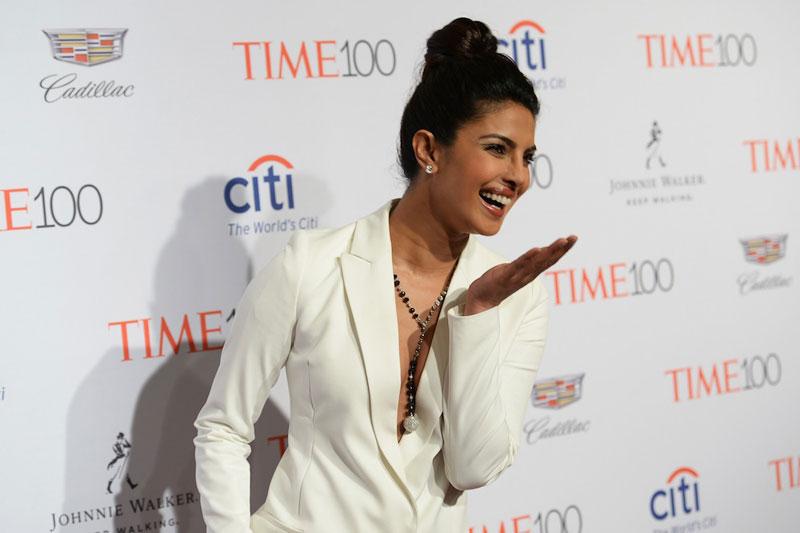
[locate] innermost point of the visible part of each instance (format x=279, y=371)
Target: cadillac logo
x=764, y=250
x=86, y=47
x=555, y=393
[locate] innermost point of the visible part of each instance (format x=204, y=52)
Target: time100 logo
x=268, y=60
x=56, y=207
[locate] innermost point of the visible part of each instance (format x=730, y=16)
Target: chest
x=413, y=346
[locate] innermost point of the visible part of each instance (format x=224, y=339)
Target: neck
x=421, y=243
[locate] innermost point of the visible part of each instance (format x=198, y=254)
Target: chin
x=489, y=230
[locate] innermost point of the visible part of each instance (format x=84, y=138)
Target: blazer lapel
x=368, y=281
x=429, y=392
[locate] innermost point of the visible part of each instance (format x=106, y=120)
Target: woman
x=382, y=441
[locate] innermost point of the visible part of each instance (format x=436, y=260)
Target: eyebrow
x=506, y=140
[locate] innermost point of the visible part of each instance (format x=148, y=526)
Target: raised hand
x=501, y=281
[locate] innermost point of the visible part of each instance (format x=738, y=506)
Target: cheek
x=526, y=184
x=484, y=169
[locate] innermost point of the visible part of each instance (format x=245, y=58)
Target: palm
x=501, y=281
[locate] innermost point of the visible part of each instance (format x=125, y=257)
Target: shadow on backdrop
x=149, y=469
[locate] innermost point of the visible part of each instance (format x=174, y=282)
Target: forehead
x=509, y=119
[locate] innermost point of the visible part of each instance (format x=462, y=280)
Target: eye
x=529, y=158
x=496, y=148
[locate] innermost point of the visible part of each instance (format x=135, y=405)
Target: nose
x=518, y=177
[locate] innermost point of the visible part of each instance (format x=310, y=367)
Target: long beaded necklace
x=410, y=422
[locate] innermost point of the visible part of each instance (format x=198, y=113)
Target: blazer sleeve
x=487, y=388
x=250, y=363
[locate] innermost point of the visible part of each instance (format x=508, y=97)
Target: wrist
x=472, y=307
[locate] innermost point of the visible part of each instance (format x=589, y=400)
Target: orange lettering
x=782, y=158
x=322, y=59
x=126, y=354
x=688, y=52
x=148, y=350
x=648, y=51
x=675, y=385
x=175, y=344
x=267, y=60
x=599, y=282
x=516, y=520
x=294, y=68
x=555, y=274
x=729, y=375
x=702, y=383
x=615, y=280
x=10, y=210
x=777, y=463
x=204, y=330
x=753, y=157
x=282, y=442
x=247, y=63
x=703, y=49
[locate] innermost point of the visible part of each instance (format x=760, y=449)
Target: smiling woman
x=471, y=122
x=410, y=349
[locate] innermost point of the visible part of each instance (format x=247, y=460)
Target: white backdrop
x=669, y=143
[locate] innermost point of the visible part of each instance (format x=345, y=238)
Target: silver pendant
x=410, y=423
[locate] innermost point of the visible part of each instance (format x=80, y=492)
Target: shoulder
x=311, y=244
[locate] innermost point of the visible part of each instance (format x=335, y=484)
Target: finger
x=537, y=260
x=545, y=258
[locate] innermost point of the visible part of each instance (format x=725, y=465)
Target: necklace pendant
x=410, y=423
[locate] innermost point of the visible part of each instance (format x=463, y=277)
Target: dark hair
x=463, y=75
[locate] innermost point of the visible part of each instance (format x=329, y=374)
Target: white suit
x=324, y=307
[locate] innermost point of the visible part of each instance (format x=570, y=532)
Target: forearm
x=488, y=385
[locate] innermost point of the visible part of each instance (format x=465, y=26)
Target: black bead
x=415, y=315
x=402, y=293
x=396, y=282
x=405, y=300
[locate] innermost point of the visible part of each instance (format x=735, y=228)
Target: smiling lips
x=494, y=203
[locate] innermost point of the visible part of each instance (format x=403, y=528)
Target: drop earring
x=429, y=169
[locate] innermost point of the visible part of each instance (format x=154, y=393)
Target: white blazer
x=324, y=308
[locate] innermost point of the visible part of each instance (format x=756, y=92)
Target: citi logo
x=327, y=58
x=525, y=44
x=679, y=498
x=266, y=187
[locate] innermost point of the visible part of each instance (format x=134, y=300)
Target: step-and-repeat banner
x=153, y=156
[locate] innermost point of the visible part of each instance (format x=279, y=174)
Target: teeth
x=496, y=197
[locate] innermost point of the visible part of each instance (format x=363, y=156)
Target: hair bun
x=462, y=38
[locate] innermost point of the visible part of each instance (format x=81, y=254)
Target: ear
x=425, y=148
